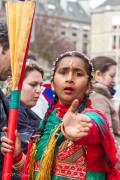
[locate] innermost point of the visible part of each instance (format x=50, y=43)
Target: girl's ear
x=98, y=74
x=1, y=49
x=88, y=89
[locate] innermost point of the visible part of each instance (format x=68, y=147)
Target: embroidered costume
x=90, y=158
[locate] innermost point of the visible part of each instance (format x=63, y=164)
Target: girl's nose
x=70, y=77
x=38, y=89
x=113, y=81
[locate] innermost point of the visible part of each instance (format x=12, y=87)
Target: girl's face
x=107, y=78
x=70, y=80
x=31, y=88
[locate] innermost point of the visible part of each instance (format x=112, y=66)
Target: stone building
x=105, y=31
x=74, y=21
x=73, y=16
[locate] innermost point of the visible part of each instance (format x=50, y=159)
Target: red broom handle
x=13, y=118
x=8, y=160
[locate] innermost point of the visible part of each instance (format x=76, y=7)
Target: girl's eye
x=79, y=74
x=112, y=76
x=62, y=71
x=34, y=84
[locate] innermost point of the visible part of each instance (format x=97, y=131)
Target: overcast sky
x=94, y=3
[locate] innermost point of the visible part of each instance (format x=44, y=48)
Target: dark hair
x=83, y=57
x=31, y=57
x=31, y=66
x=103, y=63
x=4, y=41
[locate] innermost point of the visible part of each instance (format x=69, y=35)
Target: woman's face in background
x=107, y=78
x=31, y=88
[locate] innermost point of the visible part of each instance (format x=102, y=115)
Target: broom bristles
x=32, y=162
x=19, y=23
x=48, y=157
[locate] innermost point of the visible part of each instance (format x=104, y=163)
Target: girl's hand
x=75, y=125
x=8, y=146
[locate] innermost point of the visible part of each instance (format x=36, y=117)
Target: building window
x=63, y=32
x=119, y=42
x=3, y=5
x=85, y=47
x=114, y=26
x=75, y=44
x=114, y=44
x=74, y=34
x=85, y=36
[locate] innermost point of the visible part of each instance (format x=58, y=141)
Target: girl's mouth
x=68, y=90
x=36, y=98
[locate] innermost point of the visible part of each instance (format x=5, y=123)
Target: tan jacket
x=101, y=99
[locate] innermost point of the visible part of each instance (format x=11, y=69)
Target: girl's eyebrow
x=66, y=68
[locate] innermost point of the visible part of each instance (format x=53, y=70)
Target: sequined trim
x=69, y=170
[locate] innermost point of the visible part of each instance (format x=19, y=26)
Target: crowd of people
x=78, y=137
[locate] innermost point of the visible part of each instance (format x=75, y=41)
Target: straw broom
x=20, y=19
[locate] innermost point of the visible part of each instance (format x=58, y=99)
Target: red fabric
x=115, y=175
x=94, y=150
x=47, y=85
x=62, y=108
x=107, y=140
x=25, y=170
x=93, y=140
x=93, y=143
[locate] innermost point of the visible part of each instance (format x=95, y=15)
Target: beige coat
x=101, y=99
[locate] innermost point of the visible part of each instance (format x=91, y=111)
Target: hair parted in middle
x=83, y=57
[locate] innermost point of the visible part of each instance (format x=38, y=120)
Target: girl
x=75, y=141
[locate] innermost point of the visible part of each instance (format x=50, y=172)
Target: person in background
x=28, y=118
x=5, y=71
x=28, y=121
x=103, y=91
x=76, y=142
